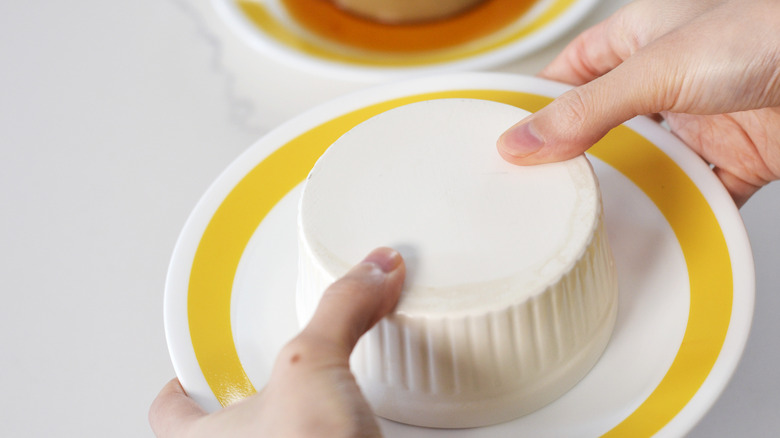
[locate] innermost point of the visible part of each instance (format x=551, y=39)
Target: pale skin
x=311, y=391
x=710, y=68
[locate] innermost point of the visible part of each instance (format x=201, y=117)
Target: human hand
x=711, y=68
x=311, y=391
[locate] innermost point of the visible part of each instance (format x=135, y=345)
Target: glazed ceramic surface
x=301, y=33
x=511, y=289
x=683, y=260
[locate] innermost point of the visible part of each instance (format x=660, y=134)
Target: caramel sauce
x=328, y=21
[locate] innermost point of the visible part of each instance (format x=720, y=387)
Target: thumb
x=577, y=119
x=173, y=410
x=573, y=122
x=350, y=307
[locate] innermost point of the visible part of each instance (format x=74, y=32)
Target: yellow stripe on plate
x=658, y=176
x=709, y=271
x=260, y=16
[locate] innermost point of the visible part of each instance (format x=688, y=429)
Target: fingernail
x=387, y=259
x=521, y=141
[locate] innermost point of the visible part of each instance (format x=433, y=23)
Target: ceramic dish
x=301, y=33
x=683, y=258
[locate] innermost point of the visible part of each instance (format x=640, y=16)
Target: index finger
x=606, y=45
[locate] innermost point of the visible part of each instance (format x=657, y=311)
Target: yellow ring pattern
x=676, y=196
x=261, y=17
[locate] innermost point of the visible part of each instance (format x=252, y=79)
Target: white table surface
x=114, y=119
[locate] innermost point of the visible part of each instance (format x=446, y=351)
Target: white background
x=114, y=119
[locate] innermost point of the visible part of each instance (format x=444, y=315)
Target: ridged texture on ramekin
x=478, y=369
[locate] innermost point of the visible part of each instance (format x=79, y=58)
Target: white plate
x=267, y=26
x=684, y=263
